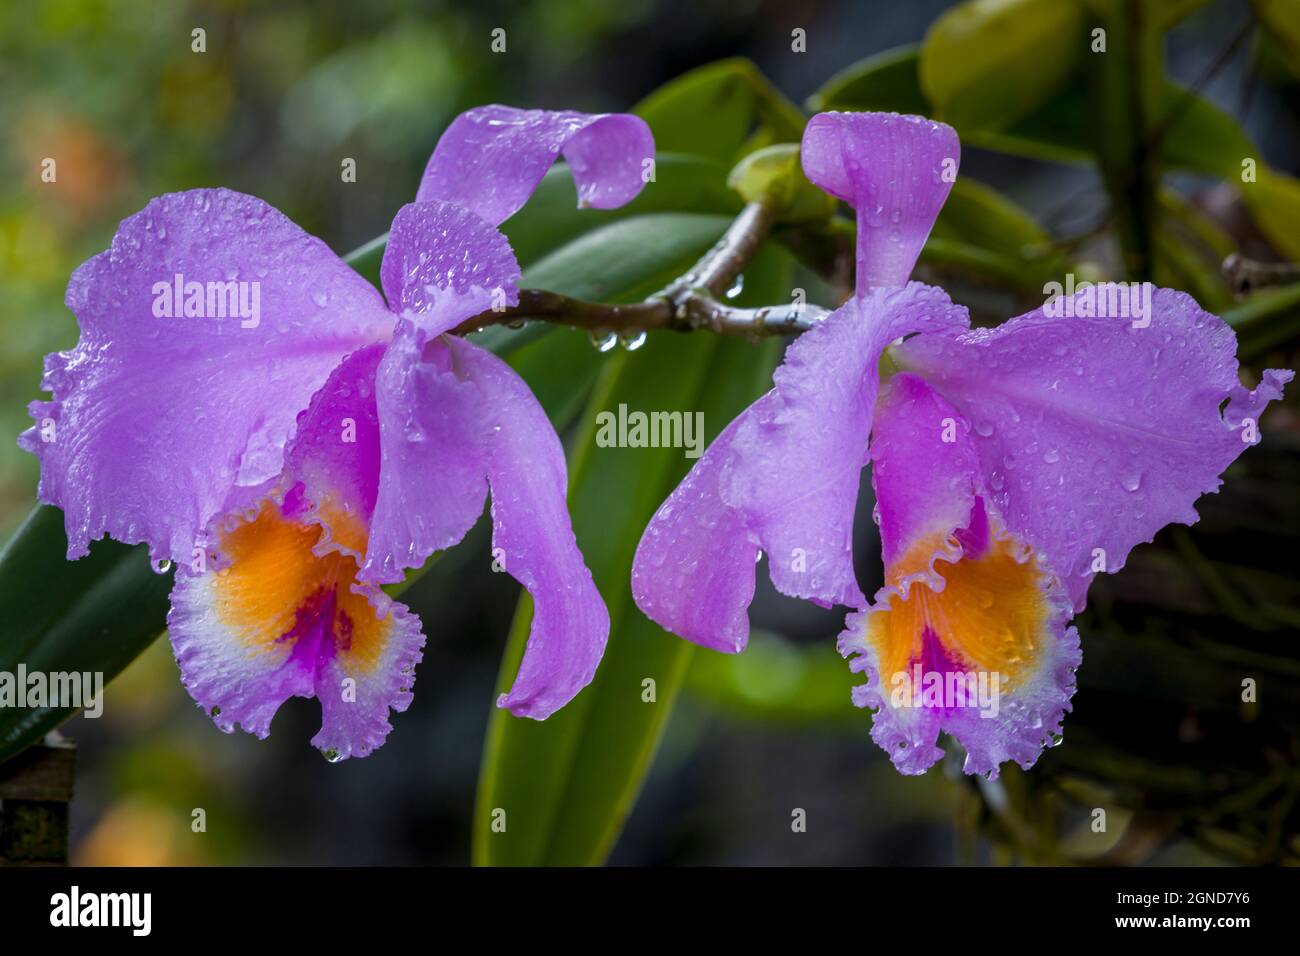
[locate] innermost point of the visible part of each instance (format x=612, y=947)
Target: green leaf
x=567, y=784
x=1267, y=319
x=981, y=217
x=886, y=82
x=774, y=176
x=986, y=63
x=1202, y=138
x=1274, y=203
x=712, y=112
x=97, y=614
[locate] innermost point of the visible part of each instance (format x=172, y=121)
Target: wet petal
x=787, y=470
x=432, y=483
x=1094, y=434
x=532, y=537
x=271, y=619
x=455, y=421
x=332, y=463
x=926, y=476
x=970, y=635
x=490, y=159
x=443, y=264
x=156, y=419
x=895, y=171
x=693, y=573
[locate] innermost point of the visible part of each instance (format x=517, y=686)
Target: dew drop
x=1051, y=456
x=161, y=566
x=602, y=340
x=984, y=429
x=1132, y=482
x=632, y=340
x=737, y=287
x=331, y=755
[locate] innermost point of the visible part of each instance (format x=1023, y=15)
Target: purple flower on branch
x=1010, y=465
x=289, y=465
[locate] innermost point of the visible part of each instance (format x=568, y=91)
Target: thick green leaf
x=1268, y=319
x=774, y=176
x=1202, y=138
x=567, y=784
x=982, y=218
x=1195, y=135
x=885, y=82
x=712, y=112
x=987, y=63
x=1274, y=203
x=92, y=615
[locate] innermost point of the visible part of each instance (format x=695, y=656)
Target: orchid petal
x=332, y=463
x=490, y=159
x=156, y=421
x=532, y=537
x=895, y=171
x=693, y=573
x=272, y=619
x=432, y=483
x=787, y=470
x=443, y=265
x=1096, y=432
x=970, y=634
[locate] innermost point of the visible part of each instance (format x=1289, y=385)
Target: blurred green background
x=285, y=92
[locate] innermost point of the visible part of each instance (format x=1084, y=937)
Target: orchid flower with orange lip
x=288, y=467
x=1010, y=466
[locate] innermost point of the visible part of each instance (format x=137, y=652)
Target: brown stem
x=688, y=303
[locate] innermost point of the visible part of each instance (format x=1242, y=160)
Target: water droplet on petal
x=161, y=566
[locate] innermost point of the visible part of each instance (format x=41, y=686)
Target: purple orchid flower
x=1010, y=465
x=290, y=463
